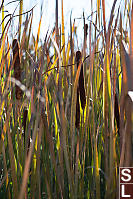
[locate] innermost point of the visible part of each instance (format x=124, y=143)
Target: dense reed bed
x=66, y=114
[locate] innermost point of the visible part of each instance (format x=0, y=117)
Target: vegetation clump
x=66, y=111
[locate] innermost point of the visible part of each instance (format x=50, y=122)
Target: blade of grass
x=12, y=162
x=38, y=34
x=28, y=161
x=20, y=18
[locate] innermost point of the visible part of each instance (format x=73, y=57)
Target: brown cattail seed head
x=86, y=30
x=116, y=113
x=17, y=68
x=25, y=114
x=77, y=122
x=78, y=57
x=81, y=81
x=82, y=89
x=15, y=47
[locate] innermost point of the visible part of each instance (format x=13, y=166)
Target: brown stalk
x=125, y=107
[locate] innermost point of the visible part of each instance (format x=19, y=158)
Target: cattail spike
x=25, y=114
x=82, y=89
x=86, y=30
x=17, y=68
x=116, y=113
x=77, y=122
x=81, y=81
x=78, y=57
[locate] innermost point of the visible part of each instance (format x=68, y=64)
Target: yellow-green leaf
x=38, y=34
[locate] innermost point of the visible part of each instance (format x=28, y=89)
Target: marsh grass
x=66, y=116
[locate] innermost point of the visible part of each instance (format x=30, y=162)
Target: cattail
x=86, y=30
x=25, y=118
x=25, y=114
x=80, y=90
x=77, y=122
x=81, y=81
x=26, y=141
x=17, y=68
x=78, y=57
x=116, y=113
